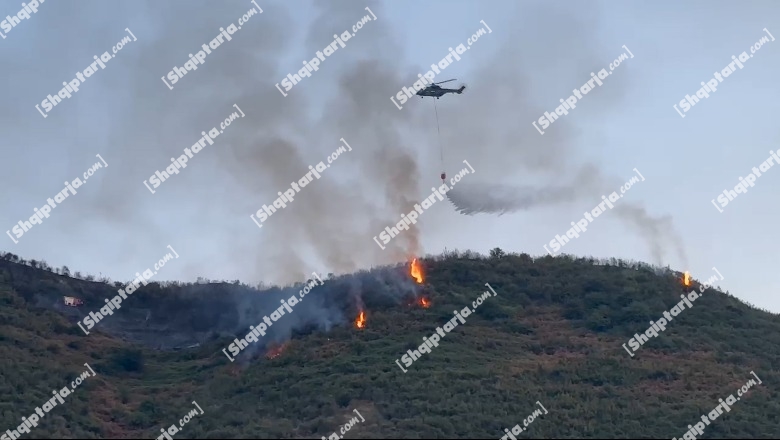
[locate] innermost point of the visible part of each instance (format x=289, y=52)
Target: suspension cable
x=438, y=130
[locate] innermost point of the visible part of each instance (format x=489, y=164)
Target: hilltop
x=553, y=334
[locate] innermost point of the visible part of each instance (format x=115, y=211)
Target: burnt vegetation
x=553, y=334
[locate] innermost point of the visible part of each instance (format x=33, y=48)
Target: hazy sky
x=537, y=53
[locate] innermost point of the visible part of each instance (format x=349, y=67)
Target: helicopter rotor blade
x=442, y=82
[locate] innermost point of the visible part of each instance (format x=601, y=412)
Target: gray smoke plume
x=331, y=221
x=658, y=232
x=511, y=146
x=335, y=302
x=330, y=224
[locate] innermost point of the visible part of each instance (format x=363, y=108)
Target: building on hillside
x=71, y=301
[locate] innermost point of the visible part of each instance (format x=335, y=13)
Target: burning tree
x=415, y=270
x=360, y=322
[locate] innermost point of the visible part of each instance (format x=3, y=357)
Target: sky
x=535, y=54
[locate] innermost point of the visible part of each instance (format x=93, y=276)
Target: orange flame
x=687, y=279
x=274, y=352
x=360, y=322
x=415, y=270
x=425, y=303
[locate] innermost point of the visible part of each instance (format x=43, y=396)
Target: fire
x=274, y=352
x=360, y=322
x=415, y=270
x=687, y=279
x=425, y=303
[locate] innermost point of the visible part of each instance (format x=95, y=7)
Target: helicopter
x=434, y=90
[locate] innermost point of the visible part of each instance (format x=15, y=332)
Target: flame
x=425, y=303
x=360, y=322
x=687, y=279
x=415, y=270
x=274, y=352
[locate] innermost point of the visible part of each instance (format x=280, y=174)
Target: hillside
x=553, y=334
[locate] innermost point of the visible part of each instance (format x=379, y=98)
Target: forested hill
x=553, y=334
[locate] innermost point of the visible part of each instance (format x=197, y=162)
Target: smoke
x=334, y=219
x=335, y=302
x=328, y=225
x=139, y=124
x=511, y=146
x=658, y=232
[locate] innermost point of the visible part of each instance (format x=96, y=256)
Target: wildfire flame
x=415, y=270
x=425, y=303
x=687, y=279
x=360, y=322
x=274, y=352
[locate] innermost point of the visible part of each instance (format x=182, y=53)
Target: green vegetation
x=553, y=334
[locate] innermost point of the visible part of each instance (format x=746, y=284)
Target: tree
x=65, y=271
x=496, y=253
